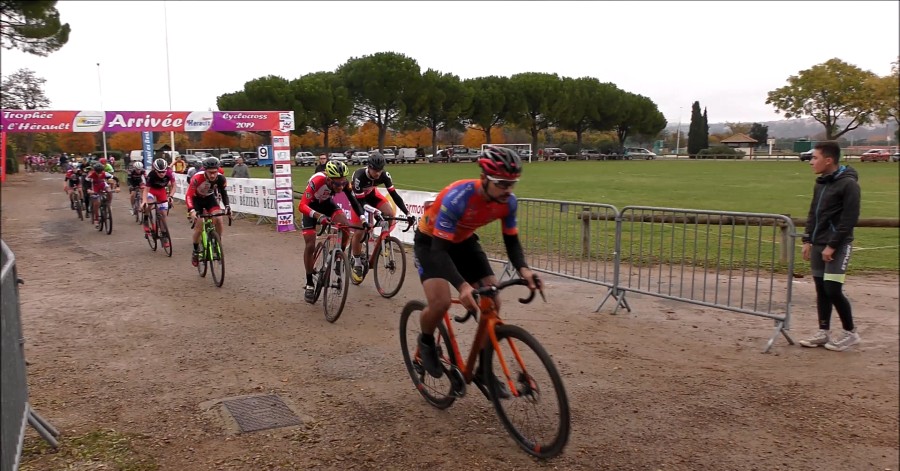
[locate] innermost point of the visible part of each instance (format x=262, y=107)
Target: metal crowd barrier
x=740, y=262
x=15, y=410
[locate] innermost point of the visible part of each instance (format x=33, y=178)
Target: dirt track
x=122, y=338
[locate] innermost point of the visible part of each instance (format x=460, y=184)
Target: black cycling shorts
x=468, y=256
x=206, y=204
x=327, y=207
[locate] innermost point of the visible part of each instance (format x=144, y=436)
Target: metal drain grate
x=261, y=413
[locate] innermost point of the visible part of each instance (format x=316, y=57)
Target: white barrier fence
x=257, y=196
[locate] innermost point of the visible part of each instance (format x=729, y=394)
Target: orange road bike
x=515, y=372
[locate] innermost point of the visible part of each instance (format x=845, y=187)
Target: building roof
x=162, y=146
x=739, y=138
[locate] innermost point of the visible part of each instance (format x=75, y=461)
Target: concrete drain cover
x=261, y=413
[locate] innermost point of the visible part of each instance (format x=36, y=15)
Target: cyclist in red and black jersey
x=158, y=184
x=365, y=181
x=135, y=180
x=73, y=183
x=201, y=198
x=318, y=206
x=447, y=249
x=98, y=179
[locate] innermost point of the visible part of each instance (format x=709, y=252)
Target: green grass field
x=779, y=187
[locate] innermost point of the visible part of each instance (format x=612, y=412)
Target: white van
x=406, y=155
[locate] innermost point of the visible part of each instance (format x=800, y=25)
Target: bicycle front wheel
x=337, y=283
x=148, y=234
x=101, y=217
x=537, y=414
x=108, y=212
x=162, y=229
x=437, y=391
x=390, y=267
x=216, y=256
x=136, y=208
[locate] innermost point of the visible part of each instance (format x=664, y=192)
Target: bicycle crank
x=457, y=381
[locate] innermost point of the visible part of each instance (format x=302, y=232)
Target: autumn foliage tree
x=215, y=140
x=474, y=137
x=125, y=141
x=366, y=136
x=77, y=142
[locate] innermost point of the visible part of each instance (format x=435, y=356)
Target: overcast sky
x=727, y=55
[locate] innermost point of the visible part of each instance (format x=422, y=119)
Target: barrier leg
x=43, y=428
x=619, y=296
x=779, y=329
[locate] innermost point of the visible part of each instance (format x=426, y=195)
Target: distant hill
x=795, y=128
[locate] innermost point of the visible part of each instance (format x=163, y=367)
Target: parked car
x=525, y=154
x=806, y=156
x=337, y=156
x=443, y=155
x=359, y=158
x=389, y=156
x=227, y=159
x=304, y=158
x=895, y=157
x=875, y=155
x=406, y=155
x=590, y=154
x=632, y=153
x=192, y=159
x=250, y=158
x=555, y=153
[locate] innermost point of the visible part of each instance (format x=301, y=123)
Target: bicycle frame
x=490, y=319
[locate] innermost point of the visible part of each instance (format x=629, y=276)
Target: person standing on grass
x=240, y=169
x=827, y=243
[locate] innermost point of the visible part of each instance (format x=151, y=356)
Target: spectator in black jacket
x=827, y=243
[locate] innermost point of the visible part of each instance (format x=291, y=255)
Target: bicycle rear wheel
x=108, y=212
x=216, y=256
x=136, y=207
x=78, y=208
x=336, y=286
x=390, y=267
x=537, y=416
x=319, y=272
x=437, y=391
x=162, y=228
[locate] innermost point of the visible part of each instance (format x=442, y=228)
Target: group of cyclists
x=446, y=248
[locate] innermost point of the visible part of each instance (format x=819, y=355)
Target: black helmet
x=500, y=162
x=210, y=162
x=376, y=160
x=98, y=167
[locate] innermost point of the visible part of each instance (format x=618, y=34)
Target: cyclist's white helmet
x=160, y=165
x=137, y=166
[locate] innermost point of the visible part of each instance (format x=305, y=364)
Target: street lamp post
x=678, y=134
x=169, y=77
x=100, y=89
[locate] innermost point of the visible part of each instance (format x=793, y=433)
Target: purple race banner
x=138, y=121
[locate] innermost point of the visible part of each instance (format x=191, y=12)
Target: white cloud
x=727, y=55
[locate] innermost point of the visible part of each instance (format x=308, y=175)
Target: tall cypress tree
x=695, y=132
x=705, y=135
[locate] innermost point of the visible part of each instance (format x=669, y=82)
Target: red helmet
x=103, y=160
x=500, y=162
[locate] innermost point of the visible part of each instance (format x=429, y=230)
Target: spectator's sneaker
x=846, y=340
x=430, y=357
x=309, y=293
x=819, y=340
x=356, y=274
x=195, y=258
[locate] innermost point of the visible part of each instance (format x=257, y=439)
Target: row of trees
x=390, y=91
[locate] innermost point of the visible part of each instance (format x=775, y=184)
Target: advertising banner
x=135, y=121
x=147, y=148
x=283, y=184
x=414, y=200
x=246, y=195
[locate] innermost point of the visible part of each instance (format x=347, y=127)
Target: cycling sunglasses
x=501, y=183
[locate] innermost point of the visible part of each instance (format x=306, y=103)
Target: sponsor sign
x=147, y=148
x=135, y=121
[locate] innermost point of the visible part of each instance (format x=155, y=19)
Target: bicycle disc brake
x=457, y=381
